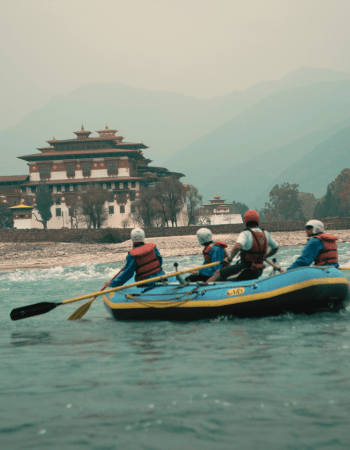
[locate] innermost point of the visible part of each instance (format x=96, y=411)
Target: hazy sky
x=201, y=48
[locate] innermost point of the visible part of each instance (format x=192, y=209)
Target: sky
x=201, y=48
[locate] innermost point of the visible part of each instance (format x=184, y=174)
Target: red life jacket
x=209, y=246
x=256, y=254
x=329, y=254
x=146, y=260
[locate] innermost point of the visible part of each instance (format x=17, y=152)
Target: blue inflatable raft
x=304, y=290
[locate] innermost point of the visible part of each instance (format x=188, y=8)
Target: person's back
x=321, y=248
x=252, y=244
x=212, y=252
x=143, y=260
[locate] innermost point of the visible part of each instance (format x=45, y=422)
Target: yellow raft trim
x=227, y=301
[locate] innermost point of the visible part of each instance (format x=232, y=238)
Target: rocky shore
x=43, y=255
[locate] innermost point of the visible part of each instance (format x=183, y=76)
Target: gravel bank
x=43, y=255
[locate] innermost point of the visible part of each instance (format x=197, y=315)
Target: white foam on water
x=285, y=257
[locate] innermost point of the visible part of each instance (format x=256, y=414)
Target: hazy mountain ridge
x=321, y=166
x=267, y=169
x=164, y=121
x=272, y=124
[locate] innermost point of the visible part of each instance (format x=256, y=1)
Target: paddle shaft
x=44, y=307
x=275, y=266
x=139, y=283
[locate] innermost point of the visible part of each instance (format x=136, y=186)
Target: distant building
x=69, y=166
x=218, y=212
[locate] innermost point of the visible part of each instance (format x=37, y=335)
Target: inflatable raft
x=304, y=290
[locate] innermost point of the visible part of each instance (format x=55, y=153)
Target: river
x=278, y=383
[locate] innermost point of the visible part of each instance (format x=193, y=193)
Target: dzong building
x=69, y=166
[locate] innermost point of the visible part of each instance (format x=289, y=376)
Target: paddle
x=82, y=310
x=275, y=266
x=44, y=307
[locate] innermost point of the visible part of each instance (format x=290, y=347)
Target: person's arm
x=216, y=254
x=125, y=275
x=236, y=249
x=272, y=245
x=309, y=254
x=159, y=256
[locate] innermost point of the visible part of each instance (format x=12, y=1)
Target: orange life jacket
x=329, y=254
x=207, y=249
x=256, y=254
x=147, y=262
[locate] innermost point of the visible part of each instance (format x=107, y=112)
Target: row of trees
x=157, y=206
x=287, y=203
x=160, y=205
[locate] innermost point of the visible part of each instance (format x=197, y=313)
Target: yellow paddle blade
x=344, y=268
x=81, y=311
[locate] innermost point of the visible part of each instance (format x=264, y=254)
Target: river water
x=273, y=383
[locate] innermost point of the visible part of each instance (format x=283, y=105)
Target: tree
x=74, y=210
x=93, y=207
x=171, y=196
x=146, y=209
x=6, y=216
x=44, y=201
x=336, y=202
x=193, y=203
x=284, y=203
x=308, y=204
x=241, y=207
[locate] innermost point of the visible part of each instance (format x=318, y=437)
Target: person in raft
x=143, y=259
x=321, y=248
x=253, y=244
x=212, y=252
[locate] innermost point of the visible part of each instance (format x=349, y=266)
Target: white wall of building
x=22, y=224
x=223, y=219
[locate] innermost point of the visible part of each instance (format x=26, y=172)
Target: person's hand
x=282, y=271
x=107, y=284
x=196, y=272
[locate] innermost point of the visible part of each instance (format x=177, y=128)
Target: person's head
x=137, y=235
x=313, y=227
x=204, y=235
x=251, y=218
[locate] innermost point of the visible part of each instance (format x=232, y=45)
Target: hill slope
x=271, y=125
x=164, y=121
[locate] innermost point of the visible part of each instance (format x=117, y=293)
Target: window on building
x=132, y=196
x=133, y=209
x=70, y=170
x=59, y=188
x=111, y=197
x=58, y=201
x=111, y=209
x=44, y=172
x=51, y=189
x=33, y=188
x=86, y=169
x=109, y=185
x=58, y=212
x=70, y=212
x=133, y=184
x=112, y=168
x=121, y=185
x=122, y=209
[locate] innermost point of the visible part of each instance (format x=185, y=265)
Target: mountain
x=226, y=160
x=321, y=166
x=167, y=122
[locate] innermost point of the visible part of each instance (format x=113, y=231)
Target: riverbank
x=43, y=255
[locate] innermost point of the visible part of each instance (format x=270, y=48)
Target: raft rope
x=165, y=303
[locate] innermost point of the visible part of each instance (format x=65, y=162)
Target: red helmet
x=251, y=216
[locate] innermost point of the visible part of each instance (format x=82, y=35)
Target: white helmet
x=204, y=235
x=317, y=226
x=137, y=235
